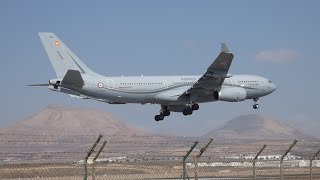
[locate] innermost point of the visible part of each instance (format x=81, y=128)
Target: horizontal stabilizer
x=38, y=84
x=73, y=77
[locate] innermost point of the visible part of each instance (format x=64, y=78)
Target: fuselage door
x=110, y=83
x=166, y=83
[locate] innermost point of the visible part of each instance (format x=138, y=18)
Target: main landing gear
x=163, y=112
x=185, y=109
x=190, y=109
x=255, y=105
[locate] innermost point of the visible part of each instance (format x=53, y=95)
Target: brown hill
x=255, y=127
x=57, y=119
x=58, y=133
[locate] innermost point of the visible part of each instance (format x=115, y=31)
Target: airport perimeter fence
x=154, y=157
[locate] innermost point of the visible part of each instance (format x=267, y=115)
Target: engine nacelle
x=231, y=94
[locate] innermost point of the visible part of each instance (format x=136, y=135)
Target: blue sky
x=275, y=39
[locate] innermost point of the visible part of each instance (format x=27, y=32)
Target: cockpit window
x=269, y=81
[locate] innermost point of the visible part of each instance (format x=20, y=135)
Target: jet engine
x=230, y=94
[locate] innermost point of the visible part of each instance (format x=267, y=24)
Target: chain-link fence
x=154, y=157
x=221, y=169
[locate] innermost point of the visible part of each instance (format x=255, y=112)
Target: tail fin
x=61, y=57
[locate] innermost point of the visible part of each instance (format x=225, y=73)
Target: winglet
x=224, y=48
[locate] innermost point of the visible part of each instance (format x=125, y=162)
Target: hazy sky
x=276, y=39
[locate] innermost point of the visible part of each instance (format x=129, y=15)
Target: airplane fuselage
x=164, y=90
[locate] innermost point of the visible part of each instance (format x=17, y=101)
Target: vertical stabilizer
x=61, y=57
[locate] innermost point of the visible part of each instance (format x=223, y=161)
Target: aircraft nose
x=273, y=87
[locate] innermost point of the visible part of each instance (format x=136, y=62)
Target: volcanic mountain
x=255, y=127
x=61, y=120
x=58, y=133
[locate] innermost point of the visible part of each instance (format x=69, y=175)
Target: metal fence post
x=311, y=160
x=85, y=171
x=196, y=158
x=95, y=158
x=282, y=157
x=184, y=170
x=254, y=161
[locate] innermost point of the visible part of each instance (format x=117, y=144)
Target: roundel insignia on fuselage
x=100, y=85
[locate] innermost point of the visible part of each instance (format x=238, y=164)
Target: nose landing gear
x=255, y=105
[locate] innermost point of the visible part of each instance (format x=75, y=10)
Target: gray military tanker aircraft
x=172, y=93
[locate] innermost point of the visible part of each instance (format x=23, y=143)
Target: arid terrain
x=57, y=133
x=53, y=143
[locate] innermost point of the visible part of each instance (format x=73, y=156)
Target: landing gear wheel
x=255, y=105
x=185, y=112
x=195, y=107
x=157, y=117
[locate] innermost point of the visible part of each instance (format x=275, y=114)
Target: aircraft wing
x=216, y=73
